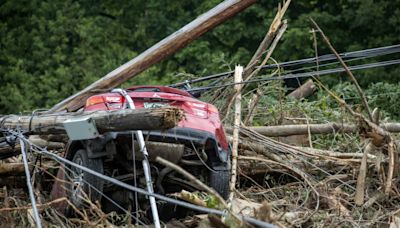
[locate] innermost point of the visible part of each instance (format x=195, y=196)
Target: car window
x=146, y=90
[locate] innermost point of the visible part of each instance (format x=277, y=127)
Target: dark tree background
x=51, y=49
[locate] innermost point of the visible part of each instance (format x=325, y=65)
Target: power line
x=366, y=53
x=302, y=75
x=29, y=185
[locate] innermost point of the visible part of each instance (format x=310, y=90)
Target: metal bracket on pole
x=145, y=162
x=81, y=128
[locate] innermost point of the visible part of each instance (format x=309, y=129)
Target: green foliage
x=386, y=97
x=275, y=108
x=51, y=49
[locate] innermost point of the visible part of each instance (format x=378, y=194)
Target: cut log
x=12, y=169
x=302, y=129
x=252, y=168
x=106, y=121
x=8, y=151
x=304, y=90
x=35, y=139
x=63, y=138
x=157, y=52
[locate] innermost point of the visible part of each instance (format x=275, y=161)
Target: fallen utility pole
x=157, y=52
x=302, y=129
x=106, y=121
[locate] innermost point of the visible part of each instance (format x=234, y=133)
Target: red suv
x=198, y=144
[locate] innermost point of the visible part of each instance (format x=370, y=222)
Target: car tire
x=219, y=180
x=91, y=185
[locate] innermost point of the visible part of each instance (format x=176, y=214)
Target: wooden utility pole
x=157, y=52
x=119, y=120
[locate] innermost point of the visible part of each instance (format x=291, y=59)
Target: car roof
x=164, y=89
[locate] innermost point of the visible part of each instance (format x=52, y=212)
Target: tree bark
x=157, y=52
x=106, y=121
x=302, y=129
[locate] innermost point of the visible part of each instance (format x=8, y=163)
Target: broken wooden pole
x=157, y=52
x=106, y=121
x=238, y=107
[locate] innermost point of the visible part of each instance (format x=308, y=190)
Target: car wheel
x=82, y=183
x=219, y=180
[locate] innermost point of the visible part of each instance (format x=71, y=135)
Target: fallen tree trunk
x=336, y=157
x=302, y=129
x=106, y=121
x=157, y=52
x=254, y=148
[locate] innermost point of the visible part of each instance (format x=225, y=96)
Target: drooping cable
x=134, y=177
x=29, y=183
x=303, y=75
x=366, y=53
